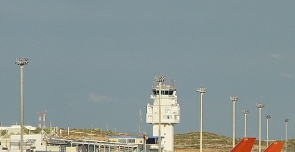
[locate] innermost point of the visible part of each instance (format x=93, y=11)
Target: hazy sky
x=92, y=63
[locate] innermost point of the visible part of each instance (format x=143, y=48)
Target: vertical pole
x=21, y=109
x=68, y=131
x=286, y=137
x=234, y=99
x=94, y=147
x=259, y=130
x=201, y=91
x=144, y=146
x=266, y=132
x=140, y=120
x=245, y=125
x=144, y=139
x=21, y=62
x=267, y=119
x=286, y=140
x=201, y=122
x=1, y=131
x=44, y=119
x=234, y=122
x=259, y=106
x=159, y=136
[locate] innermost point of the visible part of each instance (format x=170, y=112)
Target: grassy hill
x=214, y=141
x=210, y=140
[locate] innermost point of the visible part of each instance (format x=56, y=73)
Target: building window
x=167, y=110
x=130, y=140
x=167, y=116
x=122, y=140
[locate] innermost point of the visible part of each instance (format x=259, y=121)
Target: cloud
x=99, y=98
x=275, y=56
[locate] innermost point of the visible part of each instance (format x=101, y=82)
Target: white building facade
x=169, y=113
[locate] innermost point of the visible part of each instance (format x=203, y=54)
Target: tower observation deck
x=165, y=94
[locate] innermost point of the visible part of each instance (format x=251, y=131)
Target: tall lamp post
x=286, y=140
x=21, y=62
x=160, y=79
x=259, y=106
x=201, y=91
x=234, y=99
x=267, y=118
x=245, y=121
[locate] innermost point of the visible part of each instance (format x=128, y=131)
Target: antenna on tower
x=139, y=125
x=42, y=119
x=39, y=119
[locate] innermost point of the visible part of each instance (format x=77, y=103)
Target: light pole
x=1, y=131
x=234, y=99
x=21, y=62
x=286, y=140
x=160, y=79
x=259, y=106
x=245, y=122
x=91, y=131
x=267, y=117
x=201, y=91
x=145, y=138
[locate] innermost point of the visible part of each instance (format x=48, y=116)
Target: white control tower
x=165, y=104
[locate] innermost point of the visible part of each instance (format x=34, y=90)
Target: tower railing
x=164, y=86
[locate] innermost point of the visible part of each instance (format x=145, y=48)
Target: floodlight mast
x=201, y=91
x=160, y=79
x=245, y=123
x=21, y=62
x=267, y=118
x=286, y=129
x=234, y=99
x=259, y=106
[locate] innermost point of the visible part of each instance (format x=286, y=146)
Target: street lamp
x=21, y=62
x=160, y=79
x=245, y=123
x=286, y=124
x=267, y=117
x=201, y=91
x=1, y=131
x=234, y=99
x=259, y=106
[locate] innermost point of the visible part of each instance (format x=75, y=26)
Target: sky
x=92, y=63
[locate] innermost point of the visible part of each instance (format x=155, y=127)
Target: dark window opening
x=163, y=92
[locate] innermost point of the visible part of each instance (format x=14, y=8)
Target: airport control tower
x=165, y=104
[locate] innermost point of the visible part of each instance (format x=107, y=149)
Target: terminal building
x=42, y=141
